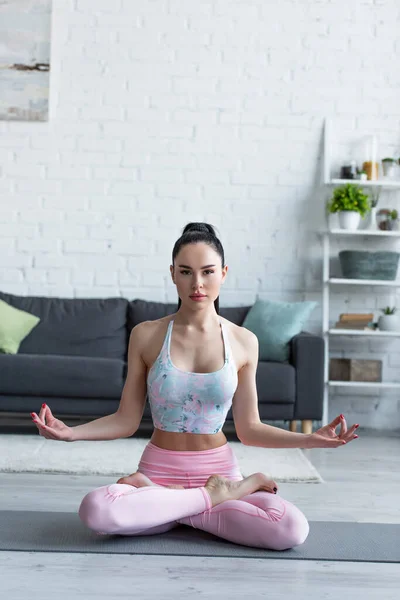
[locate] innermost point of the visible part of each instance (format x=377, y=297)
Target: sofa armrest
x=307, y=357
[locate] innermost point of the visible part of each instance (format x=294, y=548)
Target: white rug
x=35, y=454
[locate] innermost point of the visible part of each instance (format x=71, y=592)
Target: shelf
x=327, y=232
x=370, y=384
x=372, y=332
x=395, y=183
x=377, y=232
x=376, y=282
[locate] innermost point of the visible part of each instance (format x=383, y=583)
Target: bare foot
x=139, y=480
x=221, y=489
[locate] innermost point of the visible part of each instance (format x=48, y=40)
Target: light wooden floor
x=362, y=484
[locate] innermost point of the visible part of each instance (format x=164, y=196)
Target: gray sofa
x=75, y=360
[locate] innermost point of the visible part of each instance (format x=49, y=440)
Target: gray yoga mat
x=64, y=532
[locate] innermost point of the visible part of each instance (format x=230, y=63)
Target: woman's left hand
x=326, y=436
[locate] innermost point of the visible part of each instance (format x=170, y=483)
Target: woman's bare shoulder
x=242, y=342
x=240, y=332
x=146, y=329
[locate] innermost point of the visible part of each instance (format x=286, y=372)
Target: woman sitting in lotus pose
x=193, y=366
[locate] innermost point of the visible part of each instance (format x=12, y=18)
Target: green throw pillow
x=275, y=323
x=15, y=325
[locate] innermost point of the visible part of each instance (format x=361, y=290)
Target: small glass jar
x=371, y=164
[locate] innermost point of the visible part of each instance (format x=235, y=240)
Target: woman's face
x=198, y=270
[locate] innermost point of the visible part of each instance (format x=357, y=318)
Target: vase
x=389, y=323
x=393, y=225
x=373, y=225
x=349, y=219
x=389, y=168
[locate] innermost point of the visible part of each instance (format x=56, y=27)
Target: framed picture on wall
x=24, y=59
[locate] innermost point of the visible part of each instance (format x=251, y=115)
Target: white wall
x=164, y=112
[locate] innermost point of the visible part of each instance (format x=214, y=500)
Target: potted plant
x=389, y=167
x=388, y=321
x=388, y=219
x=351, y=203
x=361, y=175
x=393, y=223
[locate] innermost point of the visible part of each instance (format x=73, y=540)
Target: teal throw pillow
x=275, y=323
x=15, y=325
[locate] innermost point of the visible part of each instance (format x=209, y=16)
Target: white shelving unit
x=328, y=281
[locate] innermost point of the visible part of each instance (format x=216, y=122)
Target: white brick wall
x=168, y=111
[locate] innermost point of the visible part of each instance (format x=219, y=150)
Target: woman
x=194, y=366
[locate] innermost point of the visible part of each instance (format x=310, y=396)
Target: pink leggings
x=261, y=519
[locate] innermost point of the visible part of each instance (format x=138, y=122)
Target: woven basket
x=358, y=264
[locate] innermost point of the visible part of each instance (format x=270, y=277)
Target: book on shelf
x=356, y=317
x=355, y=321
x=352, y=325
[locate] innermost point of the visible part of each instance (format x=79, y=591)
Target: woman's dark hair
x=199, y=232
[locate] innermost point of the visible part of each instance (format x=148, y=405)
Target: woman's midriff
x=187, y=441
x=190, y=468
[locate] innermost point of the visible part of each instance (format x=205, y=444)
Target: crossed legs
x=259, y=519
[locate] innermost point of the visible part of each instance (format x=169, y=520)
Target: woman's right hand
x=50, y=427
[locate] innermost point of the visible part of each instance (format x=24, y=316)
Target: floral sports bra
x=186, y=402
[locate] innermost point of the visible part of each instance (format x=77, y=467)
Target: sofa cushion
x=73, y=376
x=144, y=310
x=275, y=324
x=94, y=327
x=15, y=325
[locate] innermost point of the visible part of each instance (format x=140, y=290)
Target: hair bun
x=205, y=227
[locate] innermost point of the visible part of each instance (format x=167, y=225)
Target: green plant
x=389, y=214
x=349, y=197
x=388, y=310
x=388, y=160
